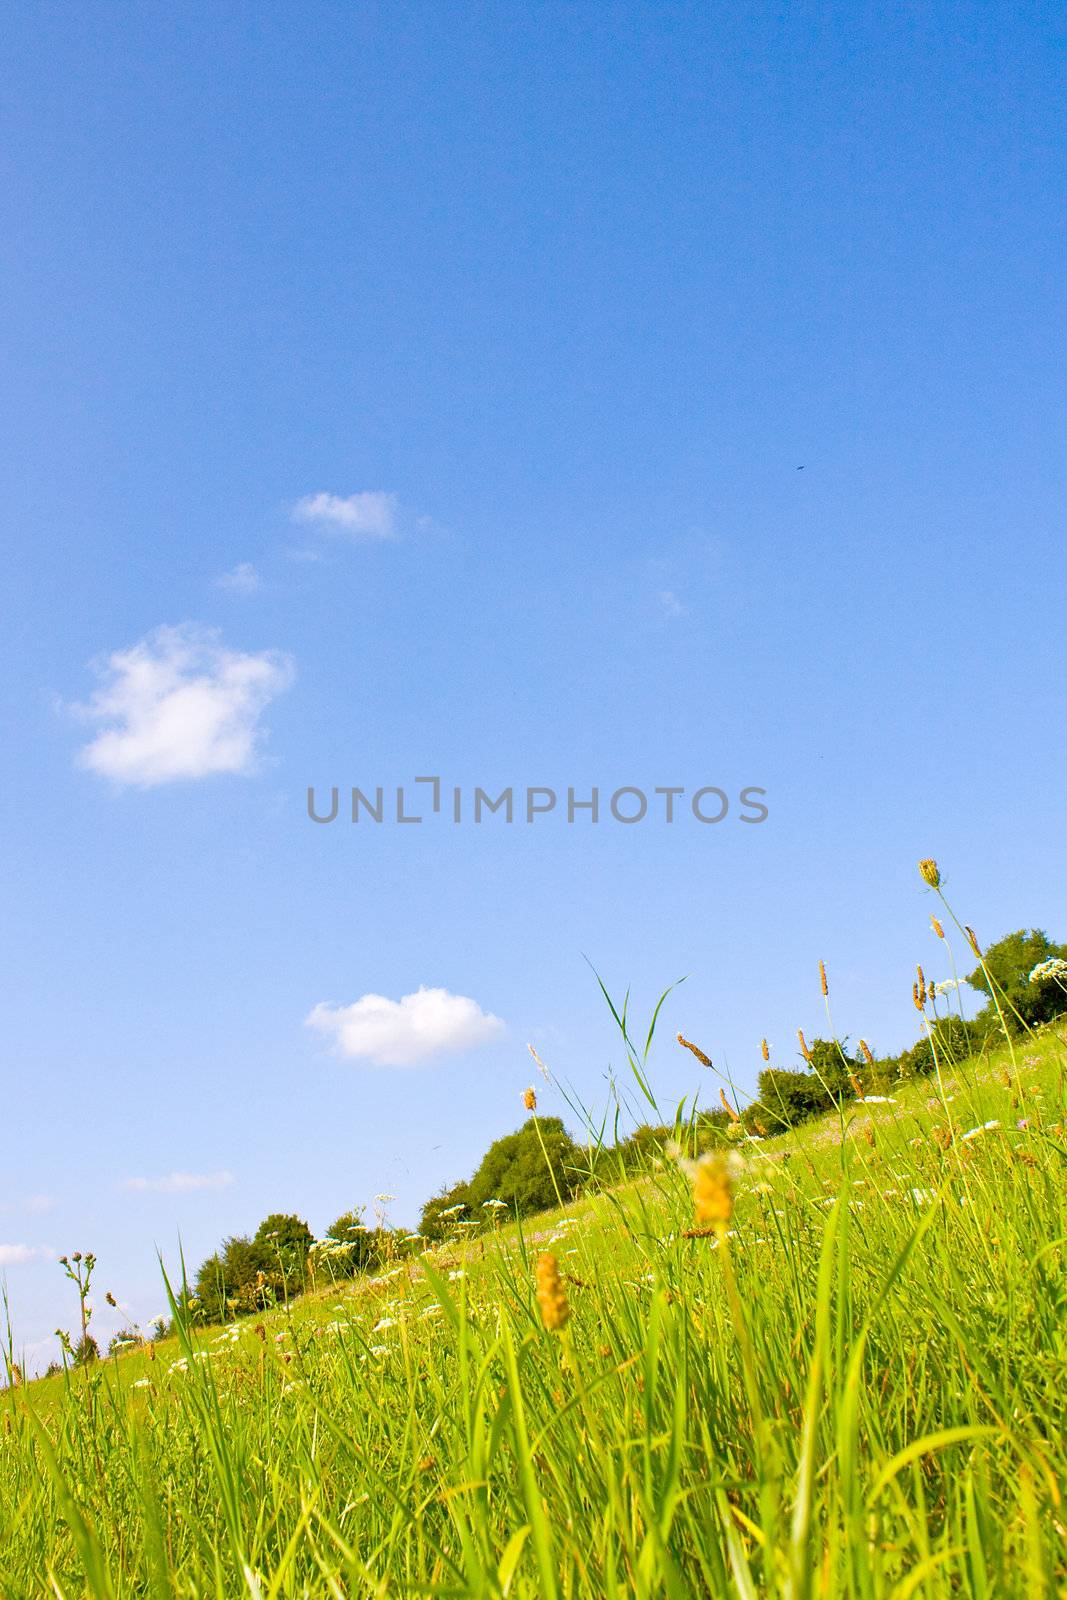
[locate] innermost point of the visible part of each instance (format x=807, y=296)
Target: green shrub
x=1009, y=963
x=790, y=1097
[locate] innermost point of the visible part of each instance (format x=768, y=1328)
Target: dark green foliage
x=529, y=1170
x=434, y=1224
x=1009, y=963
x=527, y=1177
x=250, y=1274
x=365, y=1248
x=790, y=1097
x=284, y=1241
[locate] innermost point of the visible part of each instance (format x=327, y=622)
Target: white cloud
x=179, y=705
x=369, y=515
x=178, y=1183
x=38, y=1203
x=242, y=579
x=401, y=1033
x=14, y=1255
x=672, y=606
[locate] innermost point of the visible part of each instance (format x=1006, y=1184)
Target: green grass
x=858, y=1392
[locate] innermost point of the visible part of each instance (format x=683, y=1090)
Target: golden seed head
x=687, y=1044
x=764, y=1050
x=857, y=1087
x=972, y=940
x=551, y=1295
x=868, y=1132
x=727, y=1107
x=529, y=1098
x=822, y=979
x=805, y=1052
x=713, y=1190
x=938, y=929
x=867, y=1056
x=922, y=980
x=931, y=873
x=151, y=1352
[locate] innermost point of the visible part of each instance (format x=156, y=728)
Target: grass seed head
x=687, y=1044
x=551, y=1295
x=805, y=1052
x=938, y=929
x=931, y=873
x=867, y=1056
x=727, y=1107
x=822, y=980
x=529, y=1098
x=713, y=1190
x=972, y=940
x=764, y=1050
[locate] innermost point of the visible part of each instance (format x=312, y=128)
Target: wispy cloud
x=370, y=514
x=37, y=1204
x=180, y=705
x=15, y=1255
x=178, y=1183
x=672, y=606
x=241, y=579
x=405, y=1032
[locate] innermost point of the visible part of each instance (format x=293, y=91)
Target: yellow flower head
x=931, y=872
x=713, y=1190
x=551, y=1295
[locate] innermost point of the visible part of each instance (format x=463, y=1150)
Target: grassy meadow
x=850, y=1382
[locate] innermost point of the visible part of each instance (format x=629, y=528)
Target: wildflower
x=879, y=1100
x=383, y=1199
x=805, y=1052
x=1055, y=967
x=938, y=929
x=822, y=980
x=430, y=1310
x=452, y=1211
x=495, y=1205
x=687, y=1044
x=141, y=1383
x=529, y=1098
x=867, y=1056
x=713, y=1190
x=930, y=872
x=456, y=1275
x=385, y=1322
x=551, y=1295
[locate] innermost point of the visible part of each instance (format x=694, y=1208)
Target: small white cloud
x=180, y=705
x=369, y=515
x=672, y=606
x=404, y=1032
x=243, y=579
x=14, y=1255
x=178, y=1183
x=39, y=1203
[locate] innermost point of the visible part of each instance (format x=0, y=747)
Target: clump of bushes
x=532, y=1169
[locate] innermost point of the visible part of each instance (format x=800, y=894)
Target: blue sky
x=437, y=379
